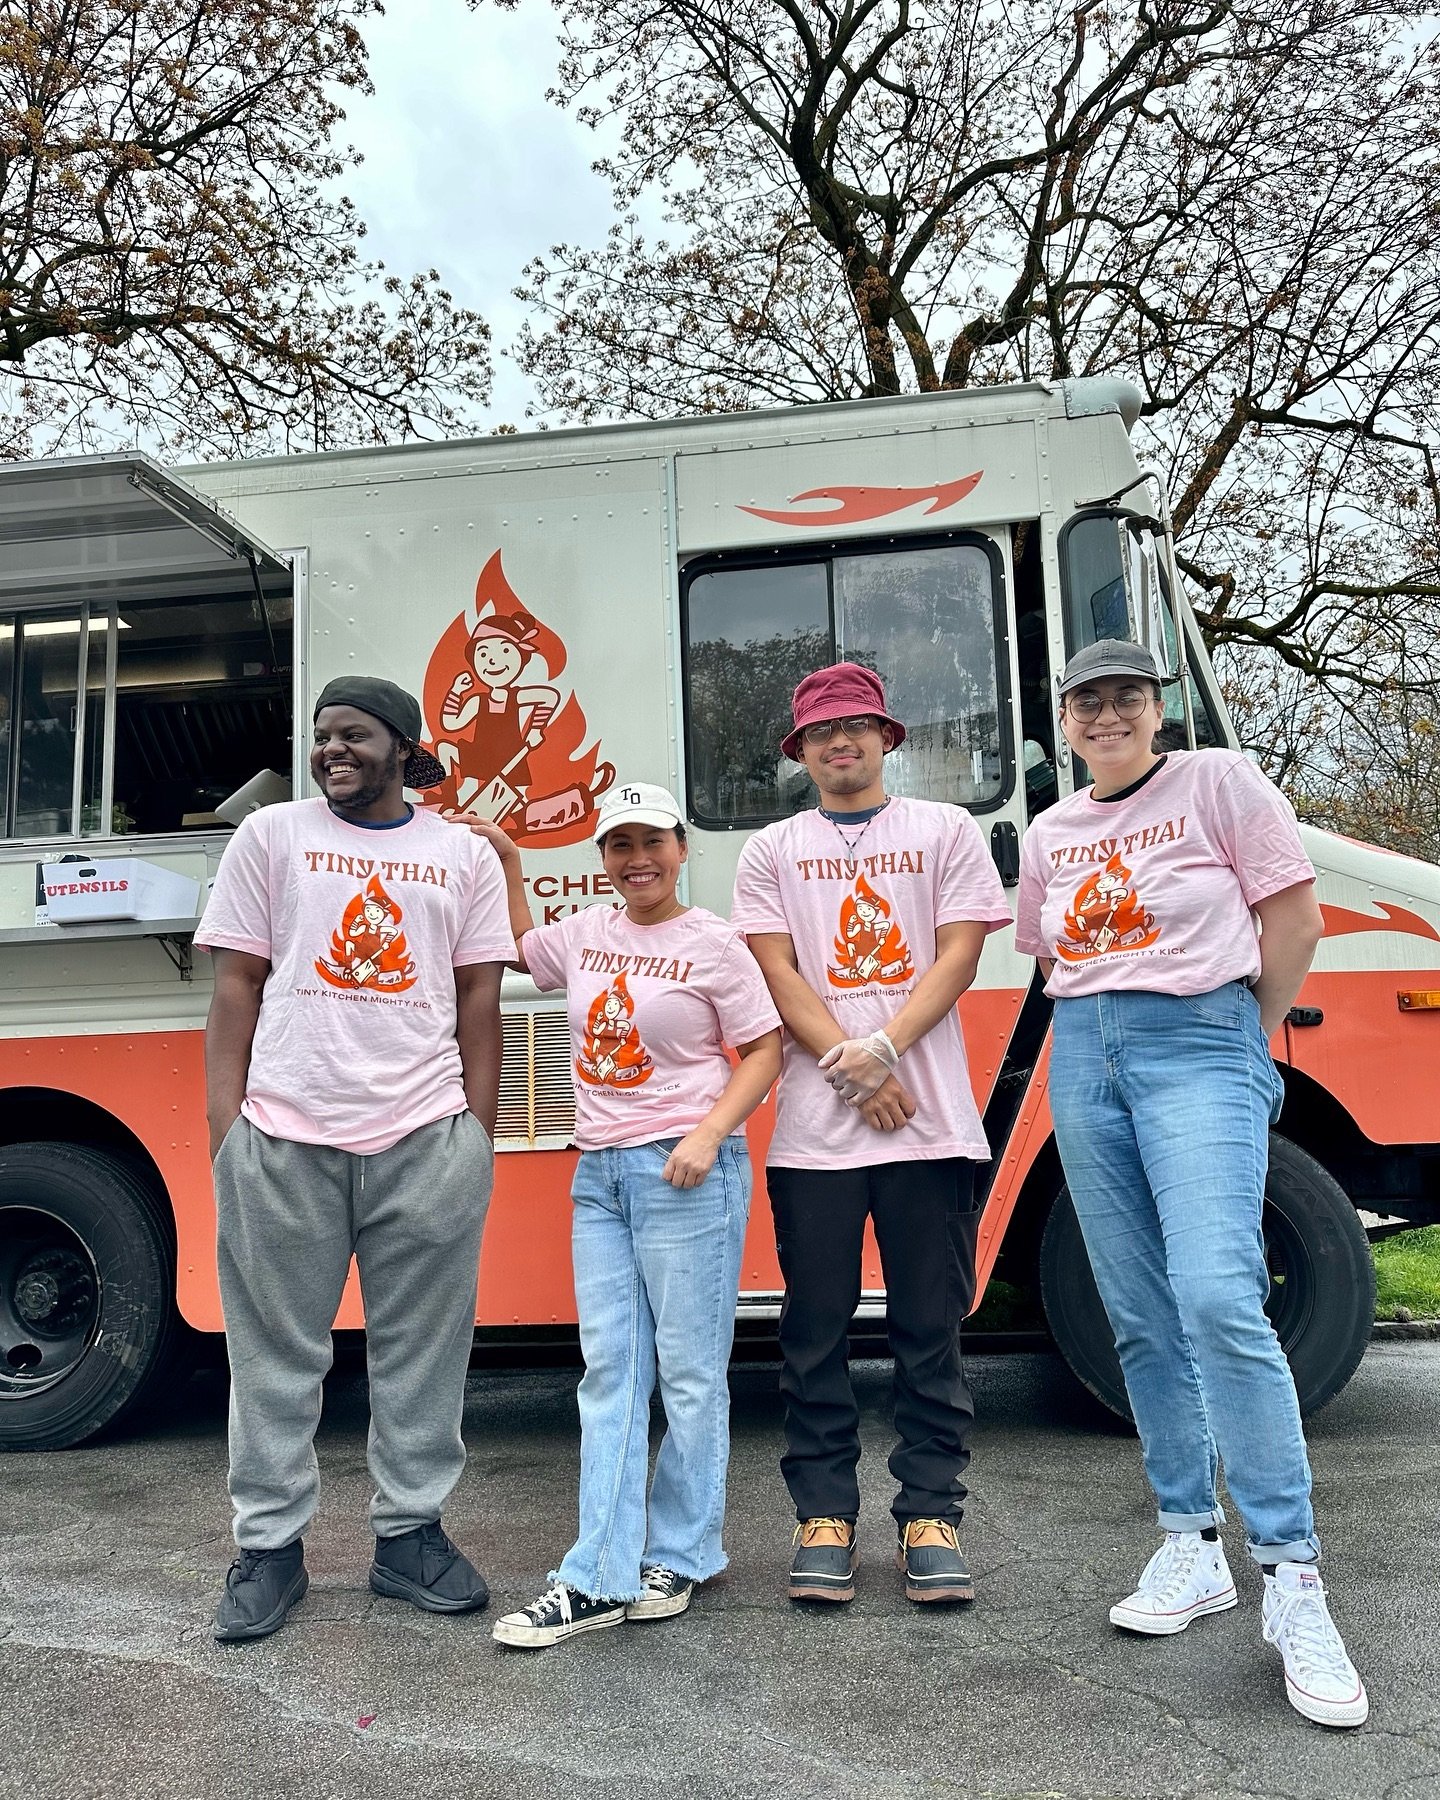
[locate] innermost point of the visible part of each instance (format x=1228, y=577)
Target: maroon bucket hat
x=842, y=691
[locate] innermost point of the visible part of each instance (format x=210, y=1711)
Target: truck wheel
x=1322, y=1285
x=87, y=1293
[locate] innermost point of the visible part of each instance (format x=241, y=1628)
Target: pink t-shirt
x=1154, y=891
x=651, y=1008
x=363, y=930
x=863, y=925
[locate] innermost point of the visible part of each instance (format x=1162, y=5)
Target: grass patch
x=1407, y=1274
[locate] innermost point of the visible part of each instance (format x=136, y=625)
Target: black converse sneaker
x=559, y=1613
x=666, y=1594
x=260, y=1589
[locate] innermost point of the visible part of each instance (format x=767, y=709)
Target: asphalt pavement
x=111, y=1558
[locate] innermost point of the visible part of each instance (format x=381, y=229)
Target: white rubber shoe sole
x=517, y=1631
x=1166, y=1624
x=1340, y=1713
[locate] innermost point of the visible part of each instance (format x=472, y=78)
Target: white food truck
x=570, y=604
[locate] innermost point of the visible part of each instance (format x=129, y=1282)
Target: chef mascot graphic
x=508, y=737
x=1108, y=915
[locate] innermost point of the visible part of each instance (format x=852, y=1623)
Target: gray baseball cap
x=1108, y=656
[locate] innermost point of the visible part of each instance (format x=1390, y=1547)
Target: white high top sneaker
x=1185, y=1578
x=1320, y=1679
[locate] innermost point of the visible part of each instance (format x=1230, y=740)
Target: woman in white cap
x=1139, y=895
x=657, y=990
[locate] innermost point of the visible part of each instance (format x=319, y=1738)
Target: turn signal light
x=1419, y=999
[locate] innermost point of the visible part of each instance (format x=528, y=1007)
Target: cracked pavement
x=111, y=1558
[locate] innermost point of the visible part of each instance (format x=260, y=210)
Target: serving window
x=146, y=655
x=926, y=615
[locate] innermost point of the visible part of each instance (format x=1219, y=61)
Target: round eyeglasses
x=1129, y=703
x=823, y=730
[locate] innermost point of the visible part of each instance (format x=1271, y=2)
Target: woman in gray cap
x=1139, y=895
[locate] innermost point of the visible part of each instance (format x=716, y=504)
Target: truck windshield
x=924, y=618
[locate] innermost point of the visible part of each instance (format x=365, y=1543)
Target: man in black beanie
x=352, y=1063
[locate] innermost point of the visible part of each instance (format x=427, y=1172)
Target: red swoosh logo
x=1340, y=921
x=856, y=505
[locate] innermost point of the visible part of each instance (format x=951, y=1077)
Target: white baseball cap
x=636, y=803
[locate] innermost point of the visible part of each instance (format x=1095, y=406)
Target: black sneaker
x=425, y=1568
x=823, y=1566
x=666, y=1594
x=559, y=1613
x=930, y=1556
x=260, y=1589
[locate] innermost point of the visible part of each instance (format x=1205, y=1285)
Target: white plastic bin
x=121, y=887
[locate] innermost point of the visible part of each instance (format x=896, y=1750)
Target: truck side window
x=1094, y=595
x=924, y=616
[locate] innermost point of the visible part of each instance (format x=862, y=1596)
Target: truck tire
x=87, y=1293
x=1322, y=1285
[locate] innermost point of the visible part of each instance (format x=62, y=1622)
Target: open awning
x=92, y=526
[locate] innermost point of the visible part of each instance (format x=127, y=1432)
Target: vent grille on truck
x=537, y=1100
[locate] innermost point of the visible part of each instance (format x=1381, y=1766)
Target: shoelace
x=917, y=1527
x=554, y=1599
x=808, y=1530
x=1304, y=1621
x=248, y=1564
x=1169, y=1569
x=660, y=1578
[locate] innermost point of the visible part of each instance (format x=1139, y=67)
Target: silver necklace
x=850, y=843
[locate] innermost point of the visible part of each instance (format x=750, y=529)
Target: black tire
x=1322, y=1285
x=87, y=1293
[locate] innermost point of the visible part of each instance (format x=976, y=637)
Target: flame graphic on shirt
x=1107, y=915
x=611, y=1053
x=869, y=945
x=369, y=949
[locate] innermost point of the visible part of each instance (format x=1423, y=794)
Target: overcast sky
x=467, y=168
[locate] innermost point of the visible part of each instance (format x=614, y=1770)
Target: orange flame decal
x=1341, y=921
x=858, y=505
x=549, y=794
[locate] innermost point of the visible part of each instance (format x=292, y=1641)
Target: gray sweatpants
x=290, y=1217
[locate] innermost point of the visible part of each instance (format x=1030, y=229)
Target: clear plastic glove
x=856, y=1068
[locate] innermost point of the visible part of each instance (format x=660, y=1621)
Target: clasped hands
x=862, y=1073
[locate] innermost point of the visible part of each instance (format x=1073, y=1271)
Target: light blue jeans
x=1162, y=1109
x=657, y=1269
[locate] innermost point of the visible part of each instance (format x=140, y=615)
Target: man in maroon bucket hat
x=867, y=915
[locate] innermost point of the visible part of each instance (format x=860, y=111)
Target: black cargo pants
x=925, y=1225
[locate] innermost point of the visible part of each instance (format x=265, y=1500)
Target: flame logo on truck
x=859, y=505
x=510, y=736
x=1343, y=921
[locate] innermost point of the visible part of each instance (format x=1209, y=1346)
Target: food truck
x=573, y=607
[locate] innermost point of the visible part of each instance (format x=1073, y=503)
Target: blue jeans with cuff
x=657, y=1270
x=1162, y=1106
